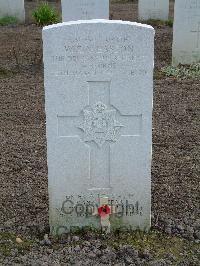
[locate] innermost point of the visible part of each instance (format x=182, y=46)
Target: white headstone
x=153, y=9
x=14, y=8
x=186, y=37
x=98, y=94
x=84, y=9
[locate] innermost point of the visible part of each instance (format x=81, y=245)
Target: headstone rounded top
x=97, y=21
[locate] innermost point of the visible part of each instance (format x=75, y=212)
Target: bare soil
x=23, y=165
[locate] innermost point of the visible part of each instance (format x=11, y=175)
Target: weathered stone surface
x=186, y=36
x=153, y=9
x=14, y=8
x=98, y=86
x=84, y=9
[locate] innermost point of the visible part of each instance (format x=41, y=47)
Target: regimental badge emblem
x=100, y=124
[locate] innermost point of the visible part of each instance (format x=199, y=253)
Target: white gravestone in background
x=14, y=8
x=186, y=36
x=98, y=94
x=84, y=9
x=153, y=9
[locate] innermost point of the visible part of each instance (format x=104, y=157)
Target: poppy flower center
x=104, y=210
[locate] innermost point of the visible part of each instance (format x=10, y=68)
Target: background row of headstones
x=186, y=39
x=95, y=9
x=89, y=9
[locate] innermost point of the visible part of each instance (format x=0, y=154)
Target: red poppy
x=104, y=210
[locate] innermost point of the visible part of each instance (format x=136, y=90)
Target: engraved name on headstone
x=153, y=9
x=13, y=8
x=84, y=9
x=186, y=34
x=98, y=94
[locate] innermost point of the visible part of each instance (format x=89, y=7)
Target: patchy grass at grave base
x=158, y=22
x=121, y=1
x=158, y=244
x=183, y=71
x=8, y=243
x=4, y=73
x=158, y=74
x=8, y=21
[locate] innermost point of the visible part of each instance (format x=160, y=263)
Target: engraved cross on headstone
x=101, y=125
x=198, y=34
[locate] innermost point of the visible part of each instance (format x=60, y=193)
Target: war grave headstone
x=98, y=93
x=153, y=9
x=84, y=9
x=186, y=32
x=13, y=8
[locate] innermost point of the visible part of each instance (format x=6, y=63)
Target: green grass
x=4, y=73
x=158, y=22
x=45, y=15
x=169, y=22
x=122, y=1
x=8, y=242
x=182, y=71
x=157, y=243
x=158, y=74
x=8, y=21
